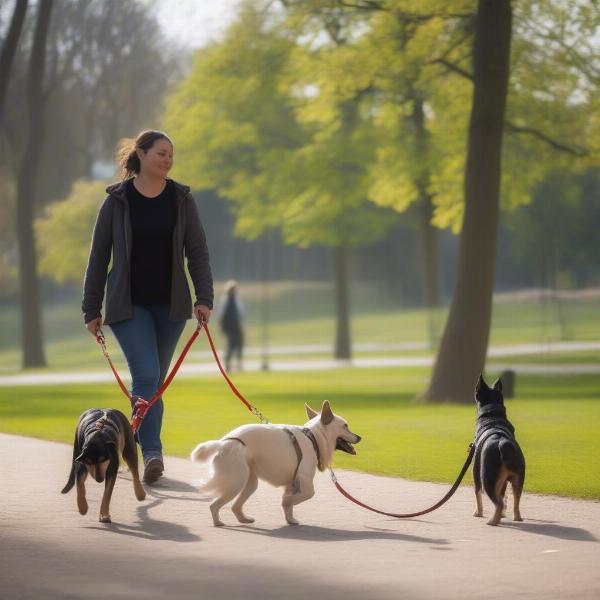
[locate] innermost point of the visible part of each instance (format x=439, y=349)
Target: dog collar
x=492, y=410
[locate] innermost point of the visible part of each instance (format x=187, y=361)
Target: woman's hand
x=202, y=313
x=94, y=325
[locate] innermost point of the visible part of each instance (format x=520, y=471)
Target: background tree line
x=392, y=104
x=363, y=128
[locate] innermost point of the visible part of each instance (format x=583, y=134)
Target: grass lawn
x=303, y=314
x=557, y=420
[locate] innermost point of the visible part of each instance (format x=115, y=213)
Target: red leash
x=249, y=406
x=141, y=406
x=256, y=412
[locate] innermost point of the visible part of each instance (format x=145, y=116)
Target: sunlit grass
x=557, y=420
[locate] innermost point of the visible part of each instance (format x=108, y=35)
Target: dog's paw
x=477, y=514
x=293, y=522
x=217, y=523
x=241, y=517
x=105, y=519
x=82, y=505
x=245, y=519
x=493, y=522
x=140, y=495
x=517, y=518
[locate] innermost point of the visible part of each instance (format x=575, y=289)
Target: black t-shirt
x=152, y=225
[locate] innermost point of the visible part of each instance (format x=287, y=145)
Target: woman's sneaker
x=153, y=469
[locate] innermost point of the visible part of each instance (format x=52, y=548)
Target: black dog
x=498, y=457
x=100, y=436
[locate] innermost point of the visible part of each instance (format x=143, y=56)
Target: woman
x=148, y=223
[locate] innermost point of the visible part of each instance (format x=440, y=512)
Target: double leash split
x=141, y=407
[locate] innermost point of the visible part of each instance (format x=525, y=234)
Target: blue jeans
x=148, y=341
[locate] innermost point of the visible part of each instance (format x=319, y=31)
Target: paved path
x=166, y=546
x=193, y=368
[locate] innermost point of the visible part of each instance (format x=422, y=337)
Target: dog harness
x=487, y=430
x=296, y=484
x=309, y=434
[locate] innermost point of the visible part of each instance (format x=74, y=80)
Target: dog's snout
x=358, y=438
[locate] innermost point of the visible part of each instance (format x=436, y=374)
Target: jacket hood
x=118, y=190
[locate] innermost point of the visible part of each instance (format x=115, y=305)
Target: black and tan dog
x=498, y=457
x=101, y=435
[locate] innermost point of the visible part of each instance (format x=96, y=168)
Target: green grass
x=557, y=420
x=302, y=313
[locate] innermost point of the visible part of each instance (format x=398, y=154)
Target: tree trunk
x=9, y=49
x=31, y=326
x=462, y=353
x=429, y=247
x=342, y=302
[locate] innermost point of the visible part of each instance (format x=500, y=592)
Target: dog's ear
x=498, y=385
x=481, y=384
x=326, y=413
x=311, y=413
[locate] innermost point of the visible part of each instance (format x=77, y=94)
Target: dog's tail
x=228, y=467
x=205, y=450
x=71, y=481
x=74, y=466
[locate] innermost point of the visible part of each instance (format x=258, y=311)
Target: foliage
x=246, y=124
x=555, y=235
x=422, y=50
x=64, y=232
x=108, y=69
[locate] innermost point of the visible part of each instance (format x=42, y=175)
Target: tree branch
x=511, y=127
x=365, y=5
x=579, y=152
x=452, y=67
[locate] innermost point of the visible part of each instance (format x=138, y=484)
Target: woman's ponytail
x=127, y=156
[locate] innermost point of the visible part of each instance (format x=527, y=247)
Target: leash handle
x=414, y=514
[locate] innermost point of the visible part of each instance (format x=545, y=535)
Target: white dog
x=282, y=455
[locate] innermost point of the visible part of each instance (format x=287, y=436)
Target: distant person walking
x=231, y=314
x=147, y=224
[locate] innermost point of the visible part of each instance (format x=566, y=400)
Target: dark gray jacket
x=112, y=235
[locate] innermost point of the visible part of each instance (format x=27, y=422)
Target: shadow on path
x=149, y=528
x=164, y=483
x=313, y=533
x=551, y=529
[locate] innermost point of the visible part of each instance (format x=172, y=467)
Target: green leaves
x=305, y=119
x=64, y=232
x=270, y=125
